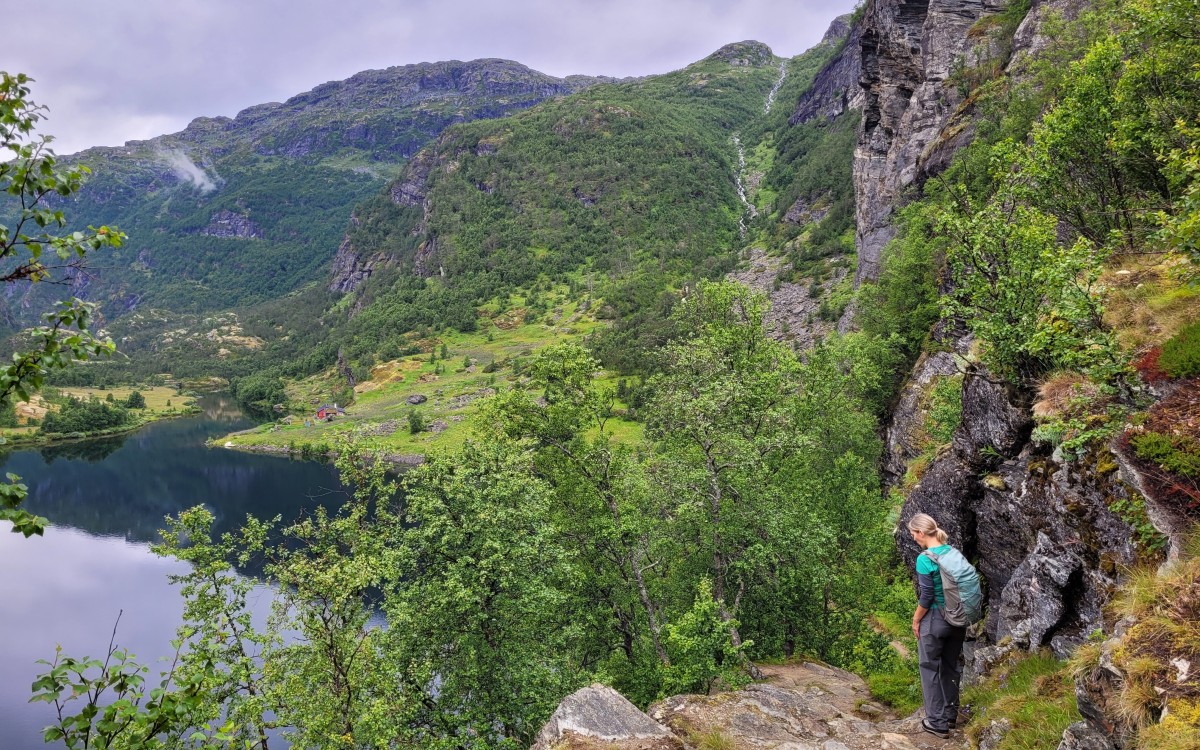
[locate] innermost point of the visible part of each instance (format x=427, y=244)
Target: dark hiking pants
x=939, y=648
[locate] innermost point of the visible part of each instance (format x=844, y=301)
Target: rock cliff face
x=836, y=87
x=909, y=48
x=1043, y=528
x=913, y=117
x=349, y=269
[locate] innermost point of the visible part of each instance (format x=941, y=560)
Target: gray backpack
x=960, y=586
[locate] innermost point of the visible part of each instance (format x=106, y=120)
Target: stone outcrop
x=226, y=223
x=409, y=190
x=598, y=716
x=1047, y=542
x=805, y=706
x=908, y=416
x=350, y=269
x=747, y=54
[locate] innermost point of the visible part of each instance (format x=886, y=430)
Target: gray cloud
x=116, y=70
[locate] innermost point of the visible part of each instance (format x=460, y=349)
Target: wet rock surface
x=914, y=114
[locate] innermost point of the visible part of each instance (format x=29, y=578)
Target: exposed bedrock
x=1041, y=528
x=913, y=118
x=836, y=87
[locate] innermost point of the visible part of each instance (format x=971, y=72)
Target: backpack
x=960, y=586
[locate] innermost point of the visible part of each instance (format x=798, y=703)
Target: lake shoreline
x=39, y=438
x=398, y=460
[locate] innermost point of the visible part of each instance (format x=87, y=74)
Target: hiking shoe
x=940, y=733
x=961, y=716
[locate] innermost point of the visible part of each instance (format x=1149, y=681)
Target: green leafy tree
x=481, y=594
x=225, y=649
x=135, y=400
x=722, y=418
x=85, y=415
x=603, y=501
x=1033, y=301
x=32, y=252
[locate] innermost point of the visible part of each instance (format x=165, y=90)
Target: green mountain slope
x=626, y=189
x=610, y=202
x=236, y=211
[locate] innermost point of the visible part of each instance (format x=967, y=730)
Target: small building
x=327, y=412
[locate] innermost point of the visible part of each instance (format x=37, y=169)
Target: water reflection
x=106, y=501
x=125, y=487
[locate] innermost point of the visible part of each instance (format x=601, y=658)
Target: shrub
x=1180, y=356
x=700, y=648
x=1175, y=453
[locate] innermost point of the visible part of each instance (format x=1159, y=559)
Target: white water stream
x=741, y=186
x=741, y=152
x=775, y=88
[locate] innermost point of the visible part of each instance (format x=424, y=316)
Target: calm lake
x=106, y=500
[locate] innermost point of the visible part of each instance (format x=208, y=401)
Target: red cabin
x=329, y=411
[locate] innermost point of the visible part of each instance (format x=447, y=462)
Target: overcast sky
x=117, y=70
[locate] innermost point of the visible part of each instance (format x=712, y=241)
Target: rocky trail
x=805, y=706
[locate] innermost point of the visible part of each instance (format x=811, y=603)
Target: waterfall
x=741, y=187
x=775, y=88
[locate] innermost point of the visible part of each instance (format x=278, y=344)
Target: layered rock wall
x=914, y=113
x=909, y=49
x=836, y=87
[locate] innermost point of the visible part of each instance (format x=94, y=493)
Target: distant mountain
x=629, y=188
x=236, y=211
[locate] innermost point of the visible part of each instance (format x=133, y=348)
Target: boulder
x=417, y=399
x=598, y=716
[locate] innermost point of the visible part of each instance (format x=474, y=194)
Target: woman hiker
x=938, y=642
